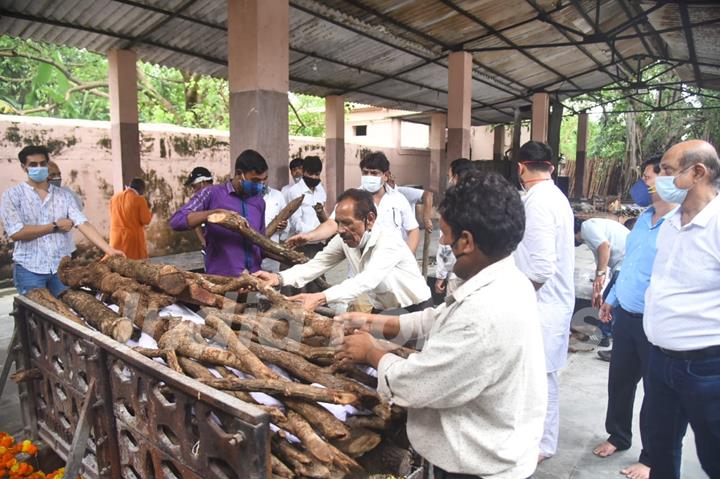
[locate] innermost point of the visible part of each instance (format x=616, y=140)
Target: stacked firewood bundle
x=276, y=348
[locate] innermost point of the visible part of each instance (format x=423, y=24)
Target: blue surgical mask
x=641, y=194
x=38, y=173
x=252, y=188
x=668, y=190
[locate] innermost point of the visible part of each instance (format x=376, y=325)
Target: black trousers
x=628, y=365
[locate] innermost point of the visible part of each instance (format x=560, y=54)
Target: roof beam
x=643, y=19
x=596, y=27
x=169, y=16
x=431, y=39
x=502, y=37
x=685, y=16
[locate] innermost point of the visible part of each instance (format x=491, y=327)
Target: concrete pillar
x=580, y=155
x=459, y=104
x=124, y=133
x=258, y=78
x=540, y=117
x=517, y=131
x=334, y=148
x=438, y=160
x=396, y=127
x=499, y=142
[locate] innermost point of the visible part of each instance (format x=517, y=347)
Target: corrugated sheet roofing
x=394, y=53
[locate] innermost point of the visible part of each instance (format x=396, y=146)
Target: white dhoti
x=551, y=432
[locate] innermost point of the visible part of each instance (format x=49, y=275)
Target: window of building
x=360, y=130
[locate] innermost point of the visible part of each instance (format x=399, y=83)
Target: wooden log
x=312, y=373
x=360, y=441
x=45, y=298
x=320, y=212
x=298, y=460
x=367, y=422
x=426, y=252
x=98, y=315
x=320, y=418
x=283, y=388
x=235, y=222
x=283, y=215
x=166, y=278
x=26, y=375
x=279, y=469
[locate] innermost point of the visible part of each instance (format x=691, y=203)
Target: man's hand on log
x=428, y=224
x=355, y=321
x=115, y=252
x=269, y=279
x=361, y=347
x=297, y=240
x=310, y=301
x=282, y=225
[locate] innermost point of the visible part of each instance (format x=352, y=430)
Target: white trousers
x=549, y=441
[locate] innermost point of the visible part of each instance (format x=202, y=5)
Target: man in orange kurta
x=129, y=214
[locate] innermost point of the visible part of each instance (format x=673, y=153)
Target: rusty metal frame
x=145, y=421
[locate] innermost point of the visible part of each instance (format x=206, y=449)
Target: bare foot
x=605, y=449
x=637, y=471
x=542, y=458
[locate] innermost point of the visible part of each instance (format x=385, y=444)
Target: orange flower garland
x=13, y=457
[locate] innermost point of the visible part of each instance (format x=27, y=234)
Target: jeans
x=681, y=391
x=26, y=280
x=628, y=365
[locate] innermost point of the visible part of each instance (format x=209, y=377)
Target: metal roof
x=394, y=53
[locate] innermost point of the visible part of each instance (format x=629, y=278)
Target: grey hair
x=706, y=156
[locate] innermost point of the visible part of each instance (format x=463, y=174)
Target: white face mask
x=297, y=179
x=371, y=184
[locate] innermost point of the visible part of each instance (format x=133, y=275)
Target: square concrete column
x=580, y=155
x=459, y=104
x=438, y=160
x=259, y=79
x=396, y=129
x=499, y=142
x=124, y=133
x=517, y=131
x=540, y=117
x=334, y=148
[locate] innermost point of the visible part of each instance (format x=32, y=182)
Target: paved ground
x=583, y=402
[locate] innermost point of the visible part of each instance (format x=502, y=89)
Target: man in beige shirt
x=476, y=392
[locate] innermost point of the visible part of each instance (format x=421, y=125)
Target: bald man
x=55, y=178
x=682, y=313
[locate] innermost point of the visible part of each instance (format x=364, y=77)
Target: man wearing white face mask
x=383, y=266
x=393, y=209
x=682, y=313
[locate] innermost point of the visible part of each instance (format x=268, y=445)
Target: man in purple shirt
x=227, y=252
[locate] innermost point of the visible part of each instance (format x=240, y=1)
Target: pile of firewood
x=237, y=338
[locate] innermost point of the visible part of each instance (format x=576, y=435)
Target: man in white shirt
x=476, y=391
x=682, y=313
x=547, y=256
x=393, y=210
x=296, y=173
x=305, y=219
x=383, y=266
x=274, y=203
x=416, y=196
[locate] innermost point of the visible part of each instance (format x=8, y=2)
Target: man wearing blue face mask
x=382, y=265
x=624, y=304
x=228, y=253
x=682, y=313
x=39, y=217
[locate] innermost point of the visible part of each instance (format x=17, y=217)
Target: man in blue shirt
x=625, y=303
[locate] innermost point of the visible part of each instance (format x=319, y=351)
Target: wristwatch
x=600, y=273
x=56, y=228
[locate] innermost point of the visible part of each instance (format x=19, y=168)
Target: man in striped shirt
x=39, y=218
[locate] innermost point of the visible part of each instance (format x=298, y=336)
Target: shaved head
x=689, y=153
x=53, y=169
